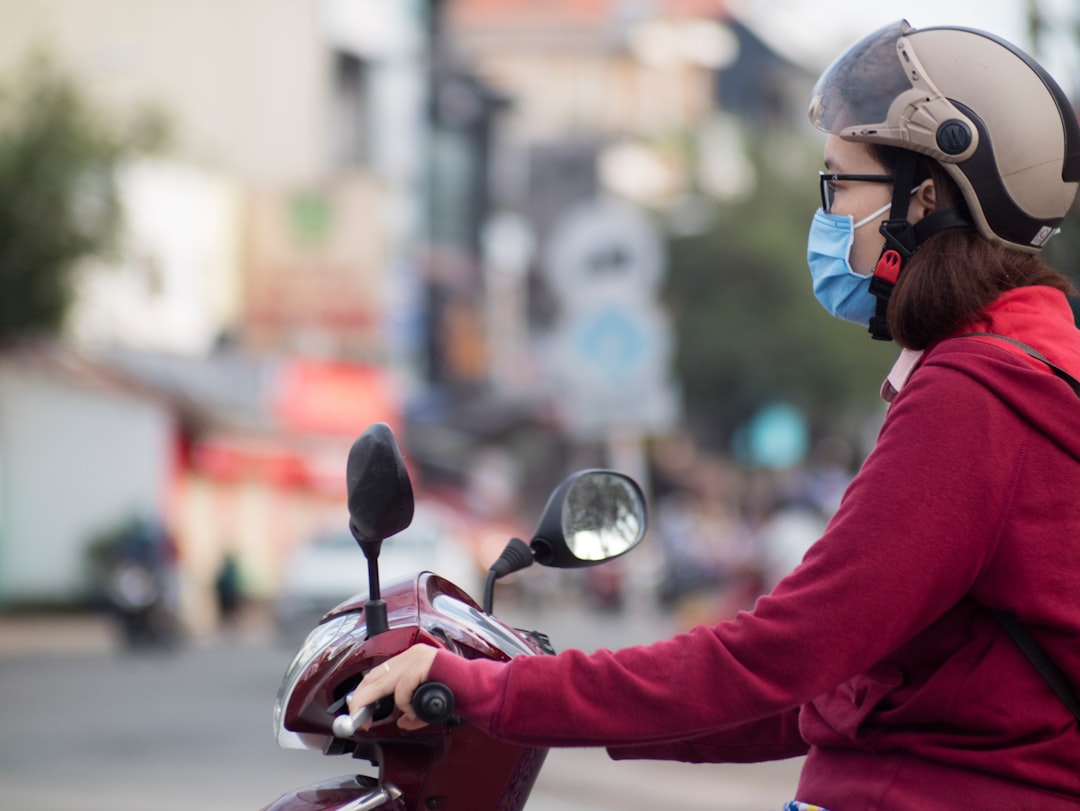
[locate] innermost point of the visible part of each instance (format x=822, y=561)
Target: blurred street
x=89, y=727
x=531, y=238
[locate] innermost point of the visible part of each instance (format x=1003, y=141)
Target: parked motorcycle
x=450, y=765
x=135, y=570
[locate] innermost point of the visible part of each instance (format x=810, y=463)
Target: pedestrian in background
x=228, y=590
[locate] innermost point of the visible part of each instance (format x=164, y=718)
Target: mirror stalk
x=375, y=607
x=517, y=555
x=374, y=589
x=375, y=615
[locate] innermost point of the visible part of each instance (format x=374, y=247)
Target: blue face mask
x=838, y=288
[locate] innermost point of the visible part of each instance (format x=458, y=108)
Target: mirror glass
x=603, y=516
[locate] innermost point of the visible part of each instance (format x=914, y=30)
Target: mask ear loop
x=870, y=217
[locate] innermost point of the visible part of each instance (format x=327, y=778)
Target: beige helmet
x=993, y=118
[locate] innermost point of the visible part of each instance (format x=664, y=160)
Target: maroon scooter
x=449, y=765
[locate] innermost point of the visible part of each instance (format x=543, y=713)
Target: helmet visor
x=860, y=85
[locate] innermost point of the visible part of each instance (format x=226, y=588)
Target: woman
x=951, y=159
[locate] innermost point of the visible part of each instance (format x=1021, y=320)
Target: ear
x=923, y=201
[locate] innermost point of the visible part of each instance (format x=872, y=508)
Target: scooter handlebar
x=345, y=725
x=433, y=703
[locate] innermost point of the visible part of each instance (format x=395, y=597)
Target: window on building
x=349, y=127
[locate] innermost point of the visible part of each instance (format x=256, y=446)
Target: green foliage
x=1063, y=30
x=749, y=329
x=1063, y=252
x=58, y=196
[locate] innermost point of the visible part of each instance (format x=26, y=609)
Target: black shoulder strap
x=1021, y=635
x=1041, y=659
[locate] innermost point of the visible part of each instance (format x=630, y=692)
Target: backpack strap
x=1041, y=659
x=1074, y=384
x=1021, y=635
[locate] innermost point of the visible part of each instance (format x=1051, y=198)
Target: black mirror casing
x=584, y=492
x=380, y=494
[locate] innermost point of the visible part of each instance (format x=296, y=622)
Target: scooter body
x=445, y=766
x=449, y=765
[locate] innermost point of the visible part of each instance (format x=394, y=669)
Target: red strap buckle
x=888, y=266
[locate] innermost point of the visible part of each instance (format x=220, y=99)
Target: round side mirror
x=593, y=516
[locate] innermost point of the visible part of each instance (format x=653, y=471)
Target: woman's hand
x=399, y=677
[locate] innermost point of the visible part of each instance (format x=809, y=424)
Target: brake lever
x=432, y=701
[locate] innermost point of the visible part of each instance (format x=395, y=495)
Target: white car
x=331, y=568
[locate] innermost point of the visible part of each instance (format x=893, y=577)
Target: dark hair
x=956, y=273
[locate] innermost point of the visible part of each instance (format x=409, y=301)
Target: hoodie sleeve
x=773, y=738
x=893, y=559
x=480, y=685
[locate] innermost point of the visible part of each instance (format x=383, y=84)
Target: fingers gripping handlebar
x=433, y=703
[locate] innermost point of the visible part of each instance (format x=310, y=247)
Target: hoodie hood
x=1041, y=318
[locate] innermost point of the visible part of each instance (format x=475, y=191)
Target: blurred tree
x=58, y=196
x=749, y=330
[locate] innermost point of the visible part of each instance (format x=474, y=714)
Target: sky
x=812, y=32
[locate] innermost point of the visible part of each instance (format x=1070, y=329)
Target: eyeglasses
x=827, y=190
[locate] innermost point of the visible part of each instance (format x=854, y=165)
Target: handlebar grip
x=433, y=702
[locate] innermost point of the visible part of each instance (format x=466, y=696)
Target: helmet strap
x=900, y=244
x=902, y=240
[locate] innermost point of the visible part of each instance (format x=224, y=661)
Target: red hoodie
x=879, y=656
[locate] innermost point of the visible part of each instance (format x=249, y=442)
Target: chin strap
x=902, y=239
